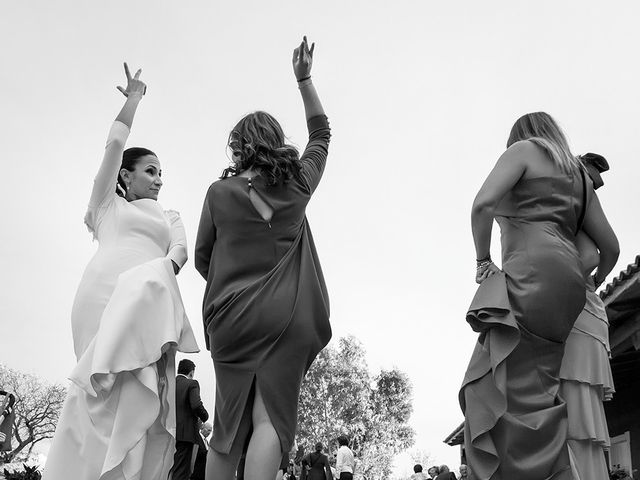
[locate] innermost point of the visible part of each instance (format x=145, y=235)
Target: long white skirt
x=118, y=420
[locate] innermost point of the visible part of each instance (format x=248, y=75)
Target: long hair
x=541, y=129
x=130, y=158
x=257, y=142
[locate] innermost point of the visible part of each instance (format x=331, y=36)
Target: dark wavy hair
x=257, y=142
x=130, y=158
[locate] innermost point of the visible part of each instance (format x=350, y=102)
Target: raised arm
x=315, y=155
x=104, y=184
x=302, y=63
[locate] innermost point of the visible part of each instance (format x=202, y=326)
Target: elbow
x=611, y=251
x=178, y=254
x=615, y=250
x=482, y=207
x=202, y=265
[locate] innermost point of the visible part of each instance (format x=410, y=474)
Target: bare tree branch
x=37, y=408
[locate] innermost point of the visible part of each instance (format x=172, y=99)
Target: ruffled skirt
x=118, y=420
x=515, y=421
x=587, y=381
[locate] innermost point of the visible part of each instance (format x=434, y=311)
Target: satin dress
x=118, y=420
x=586, y=382
x=515, y=420
x=266, y=307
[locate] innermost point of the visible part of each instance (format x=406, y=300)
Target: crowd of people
x=266, y=312
x=441, y=472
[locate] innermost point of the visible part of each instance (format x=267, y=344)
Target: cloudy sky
x=421, y=96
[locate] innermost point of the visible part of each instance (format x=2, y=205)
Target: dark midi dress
x=266, y=308
x=515, y=421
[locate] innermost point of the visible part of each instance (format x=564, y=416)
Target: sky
x=421, y=96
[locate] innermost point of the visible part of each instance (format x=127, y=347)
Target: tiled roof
x=625, y=275
x=456, y=437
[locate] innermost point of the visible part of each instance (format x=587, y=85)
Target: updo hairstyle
x=130, y=159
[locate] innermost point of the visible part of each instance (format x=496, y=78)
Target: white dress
x=118, y=420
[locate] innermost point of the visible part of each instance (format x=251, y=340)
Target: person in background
x=291, y=471
x=433, y=471
x=345, y=461
x=315, y=465
x=418, y=474
x=189, y=409
x=200, y=464
x=445, y=474
x=465, y=472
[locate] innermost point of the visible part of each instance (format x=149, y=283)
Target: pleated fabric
x=587, y=381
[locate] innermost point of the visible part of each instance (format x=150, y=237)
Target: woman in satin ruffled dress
x=538, y=192
x=128, y=321
x=586, y=378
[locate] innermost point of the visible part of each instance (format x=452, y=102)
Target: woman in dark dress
x=266, y=308
x=515, y=421
x=315, y=465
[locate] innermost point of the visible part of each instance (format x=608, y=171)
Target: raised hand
x=134, y=85
x=303, y=59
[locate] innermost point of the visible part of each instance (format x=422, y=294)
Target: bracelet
x=483, y=265
x=485, y=259
x=304, y=83
x=305, y=78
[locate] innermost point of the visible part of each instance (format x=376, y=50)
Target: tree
x=422, y=457
x=339, y=396
x=37, y=408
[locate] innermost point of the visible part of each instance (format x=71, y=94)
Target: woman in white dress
x=128, y=321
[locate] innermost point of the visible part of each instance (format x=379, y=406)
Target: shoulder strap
x=584, y=201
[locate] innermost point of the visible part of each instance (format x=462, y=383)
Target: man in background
x=418, y=474
x=200, y=464
x=464, y=472
x=345, y=462
x=189, y=409
x=445, y=474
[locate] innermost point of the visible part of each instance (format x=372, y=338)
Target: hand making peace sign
x=134, y=85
